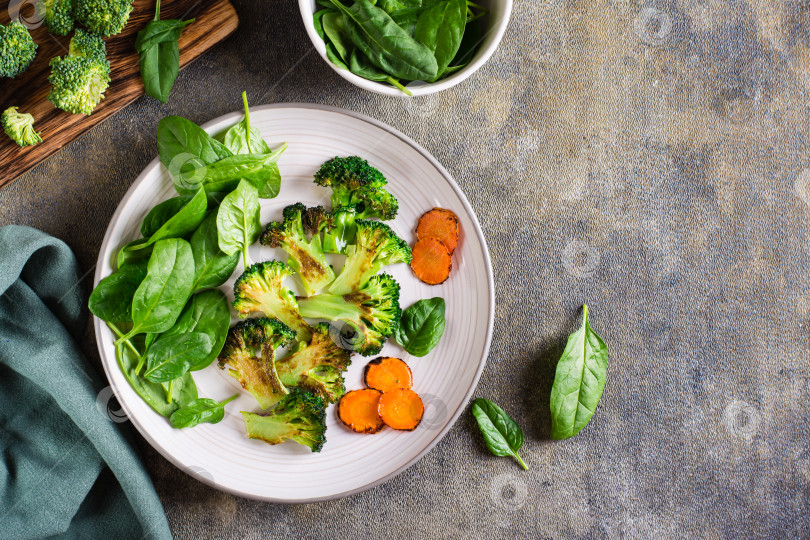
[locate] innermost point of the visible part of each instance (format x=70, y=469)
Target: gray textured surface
x=650, y=160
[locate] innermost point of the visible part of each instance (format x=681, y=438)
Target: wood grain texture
x=214, y=21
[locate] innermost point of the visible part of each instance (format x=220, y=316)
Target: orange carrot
x=440, y=224
x=401, y=408
x=431, y=261
x=358, y=410
x=386, y=373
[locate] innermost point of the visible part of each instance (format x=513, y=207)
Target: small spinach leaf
x=239, y=220
x=171, y=357
x=111, y=300
x=501, y=434
x=159, y=54
x=161, y=213
x=186, y=220
x=199, y=411
x=422, y=326
x=440, y=28
x=183, y=146
x=212, y=266
x=241, y=138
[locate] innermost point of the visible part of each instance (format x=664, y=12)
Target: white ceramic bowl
x=495, y=25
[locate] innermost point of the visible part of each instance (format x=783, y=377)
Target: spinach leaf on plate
x=185, y=221
x=171, y=357
x=199, y=411
x=242, y=138
x=239, y=220
x=111, y=300
x=579, y=381
x=212, y=266
x=161, y=213
x=421, y=326
x=183, y=147
x=501, y=434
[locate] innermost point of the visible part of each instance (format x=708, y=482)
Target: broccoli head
x=375, y=245
x=17, y=49
x=79, y=83
x=250, y=351
x=299, y=416
x=105, y=17
x=20, y=127
x=372, y=312
x=316, y=366
x=306, y=256
x=58, y=16
x=88, y=45
x=341, y=230
x=261, y=288
x=356, y=183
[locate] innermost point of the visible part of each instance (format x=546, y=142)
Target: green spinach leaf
x=212, y=266
x=185, y=221
x=111, y=300
x=199, y=411
x=501, y=434
x=261, y=170
x=421, y=326
x=159, y=54
x=440, y=28
x=162, y=213
x=578, y=382
x=241, y=138
x=171, y=357
x=129, y=255
x=239, y=220
x=184, y=147
x=336, y=33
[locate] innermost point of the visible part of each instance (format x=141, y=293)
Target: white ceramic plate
x=222, y=455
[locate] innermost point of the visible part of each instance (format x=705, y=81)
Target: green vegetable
x=78, y=83
x=341, y=230
x=440, y=28
x=501, y=434
x=579, y=381
x=88, y=45
x=58, y=16
x=185, y=221
x=105, y=17
x=161, y=213
x=160, y=54
x=111, y=300
x=387, y=45
x=206, y=312
x=171, y=357
x=17, y=49
x=336, y=33
x=183, y=146
x=261, y=170
x=421, y=326
x=199, y=411
x=20, y=127
x=212, y=266
x=406, y=18
x=164, y=291
x=242, y=138
x=128, y=255
x=239, y=220
x=355, y=183
x=299, y=416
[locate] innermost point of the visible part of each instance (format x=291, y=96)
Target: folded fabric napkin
x=67, y=468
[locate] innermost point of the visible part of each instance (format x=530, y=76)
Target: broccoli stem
x=246, y=258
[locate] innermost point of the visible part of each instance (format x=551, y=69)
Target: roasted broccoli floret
x=341, y=230
x=261, y=288
x=20, y=127
x=300, y=417
x=17, y=49
x=356, y=183
x=58, y=16
x=306, y=256
x=250, y=351
x=79, y=83
x=375, y=245
x=316, y=366
x=372, y=312
x=105, y=17
x=88, y=44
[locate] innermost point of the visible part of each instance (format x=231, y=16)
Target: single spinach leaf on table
x=212, y=266
x=501, y=434
x=111, y=300
x=171, y=357
x=242, y=138
x=184, y=222
x=440, y=28
x=579, y=381
x=199, y=411
x=421, y=326
x=165, y=290
x=239, y=220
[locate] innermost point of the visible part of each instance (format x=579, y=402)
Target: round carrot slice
x=440, y=224
x=401, y=409
x=386, y=373
x=431, y=261
x=358, y=410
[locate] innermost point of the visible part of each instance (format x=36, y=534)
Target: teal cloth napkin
x=67, y=469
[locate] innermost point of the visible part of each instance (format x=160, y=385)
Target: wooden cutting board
x=214, y=21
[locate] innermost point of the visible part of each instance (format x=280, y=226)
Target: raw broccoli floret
x=300, y=417
x=89, y=45
x=250, y=352
x=58, y=16
x=20, y=127
x=79, y=83
x=316, y=366
x=356, y=183
x=372, y=312
x=105, y=17
x=261, y=288
x=17, y=49
x=306, y=256
x=375, y=245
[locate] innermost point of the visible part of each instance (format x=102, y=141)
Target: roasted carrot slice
x=440, y=224
x=401, y=409
x=358, y=409
x=431, y=261
x=386, y=373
